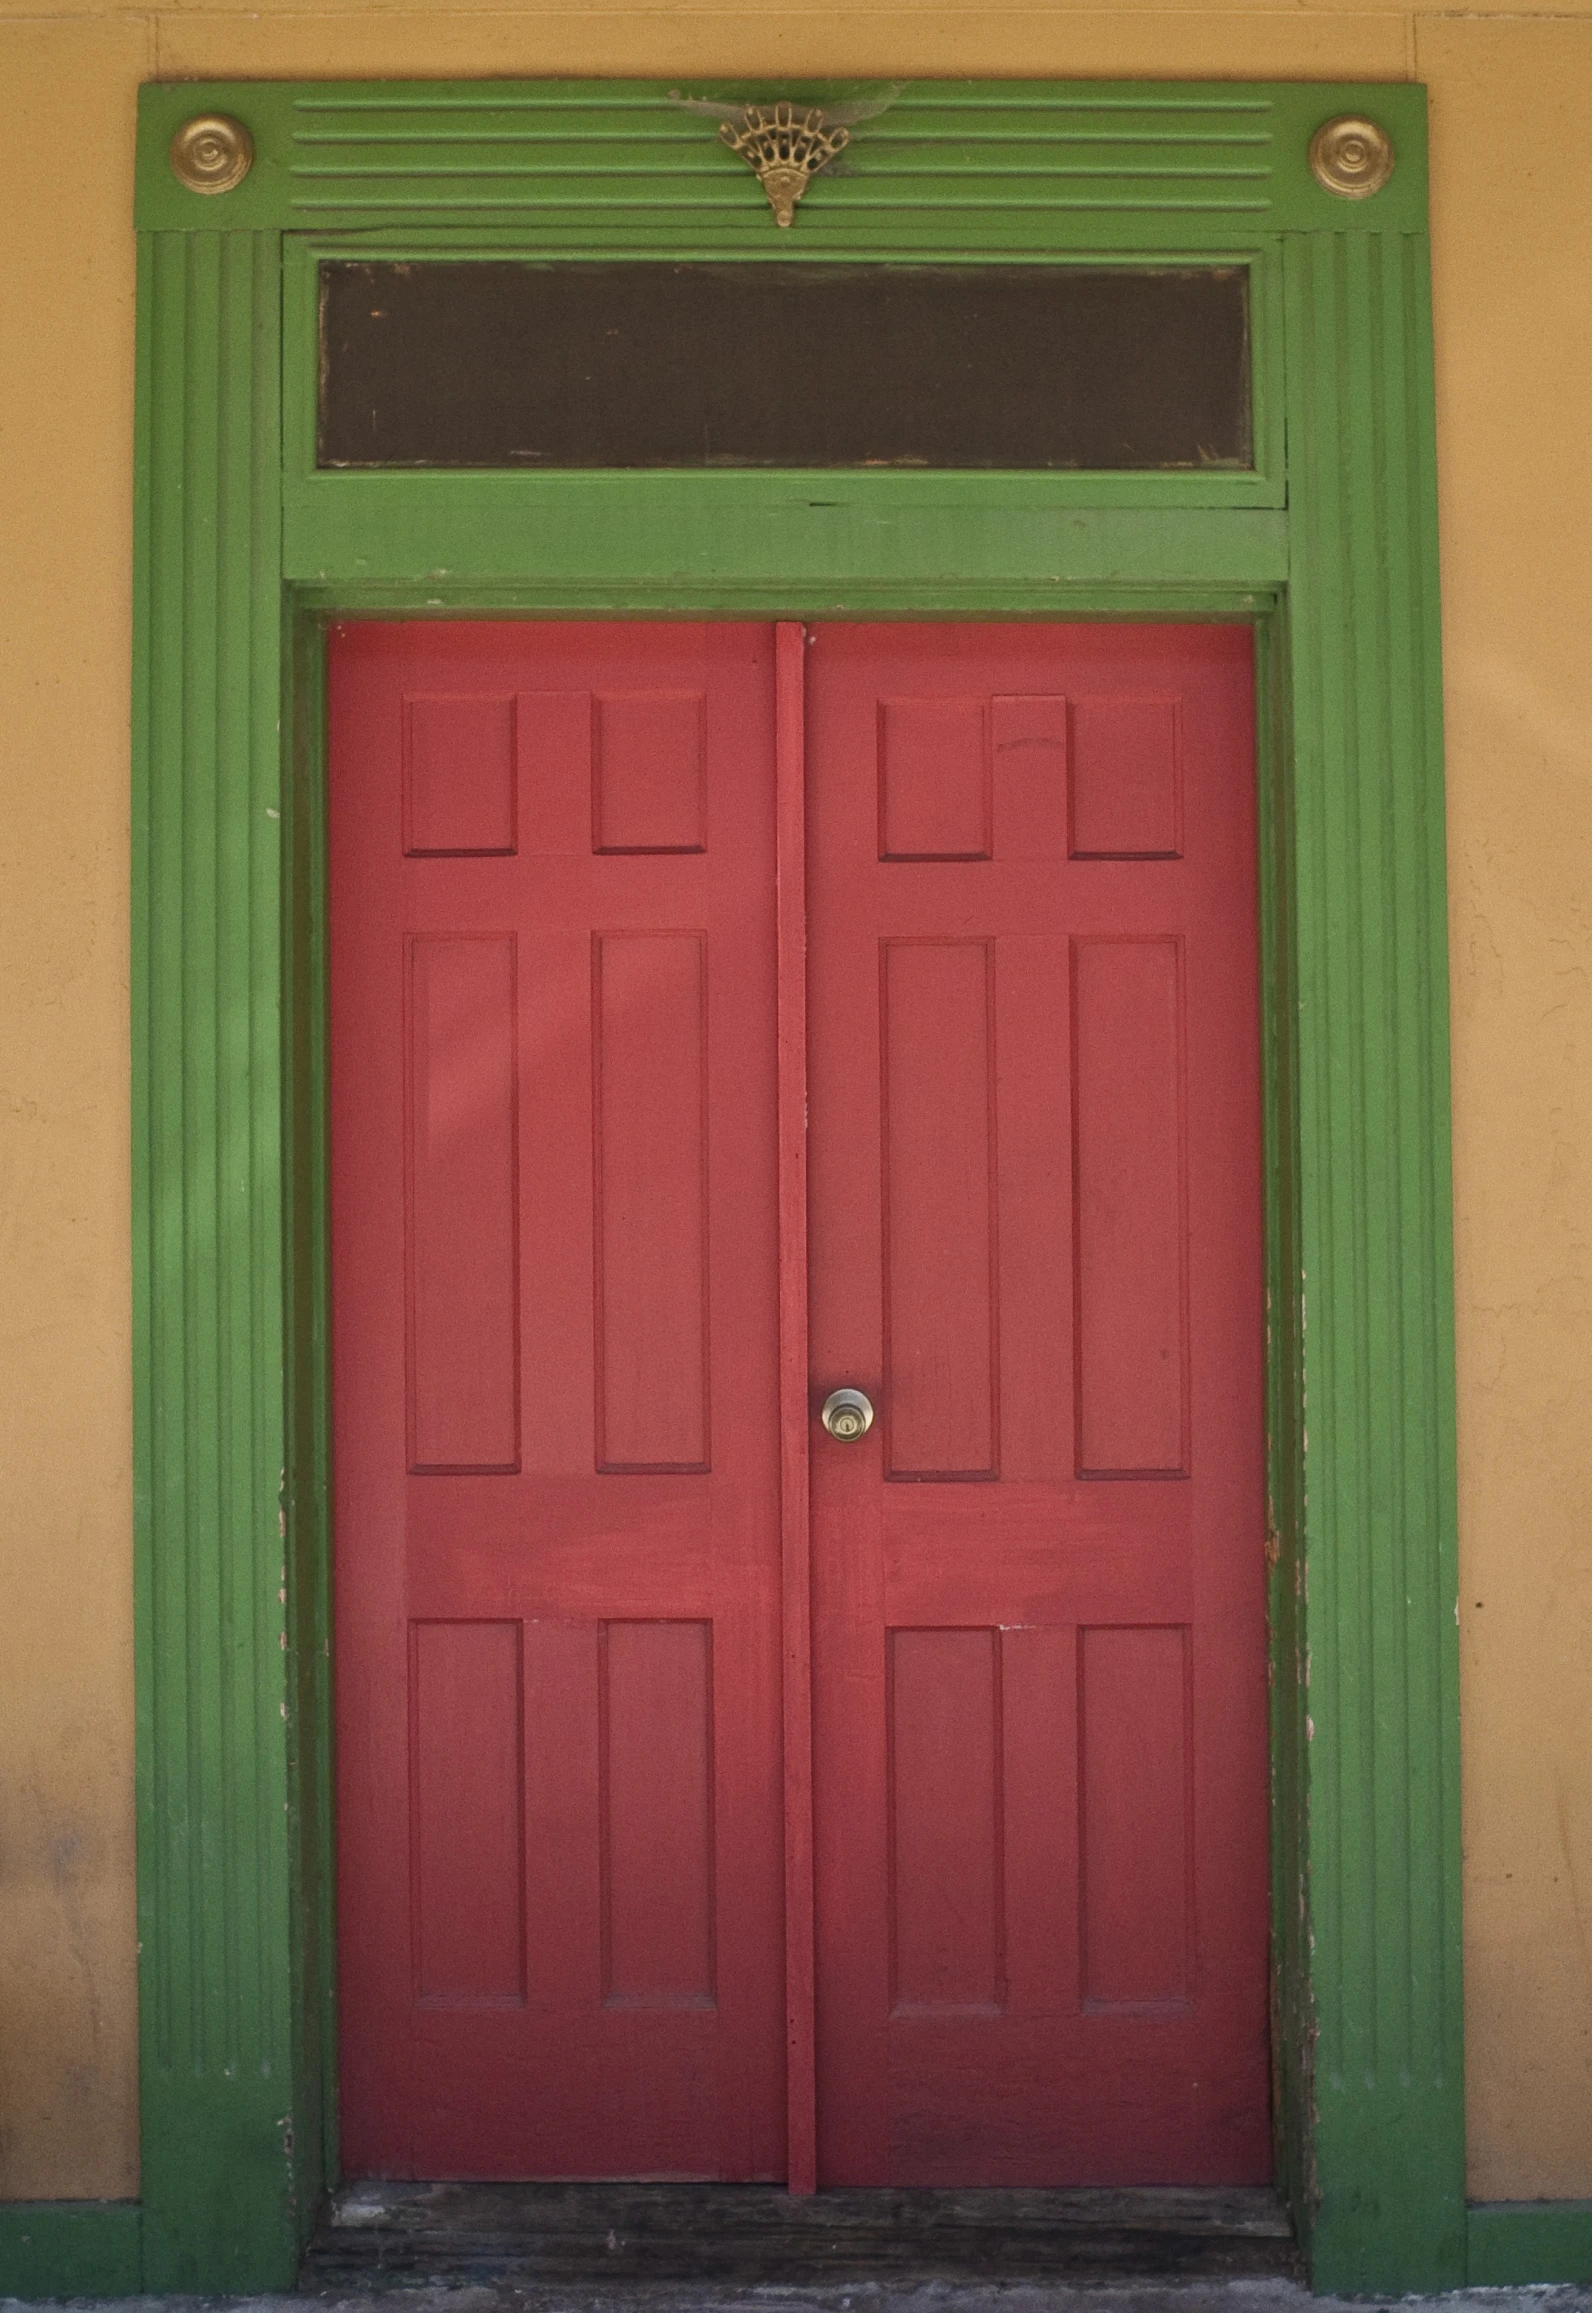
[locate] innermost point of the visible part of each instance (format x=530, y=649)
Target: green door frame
x=1328, y=547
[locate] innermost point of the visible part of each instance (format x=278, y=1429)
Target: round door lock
x=847, y=1415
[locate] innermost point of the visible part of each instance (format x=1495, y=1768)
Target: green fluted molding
x=1385, y=2191
x=222, y=2193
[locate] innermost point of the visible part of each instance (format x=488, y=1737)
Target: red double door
x=937, y=1856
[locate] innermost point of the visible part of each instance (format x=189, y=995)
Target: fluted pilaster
x=216, y=1886
x=1376, y=1257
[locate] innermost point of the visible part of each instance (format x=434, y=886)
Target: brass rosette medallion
x=211, y=153
x=785, y=150
x=1351, y=157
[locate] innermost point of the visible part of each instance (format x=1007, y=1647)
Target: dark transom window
x=1039, y=367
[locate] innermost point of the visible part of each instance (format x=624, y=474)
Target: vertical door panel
x=648, y=771
x=947, y=1876
x=1039, y=1666
x=462, y=1205
x=556, y=1403
x=1125, y=778
x=1130, y=1207
x=939, y=1208
x=656, y=1709
x=934, y=779
x=467, y=1828
x=649, y=1045
x=1135, y=1862
x=460, y=784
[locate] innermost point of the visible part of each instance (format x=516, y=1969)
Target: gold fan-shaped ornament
x=785, y=149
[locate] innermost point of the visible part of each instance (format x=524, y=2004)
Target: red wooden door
x=555, y=1342
x=1039, y=1667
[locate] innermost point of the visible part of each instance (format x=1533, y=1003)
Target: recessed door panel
x=656, y=1796
x=649, y=1053
x=937, y=1192
x=1130, y=1206
x=461, y=1200
x=467, y=1819
x=947, y=1870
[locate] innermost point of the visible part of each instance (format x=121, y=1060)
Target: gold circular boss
x=211, y=153
x=1351, y=156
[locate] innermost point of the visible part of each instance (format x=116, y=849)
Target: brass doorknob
x=847, y=1415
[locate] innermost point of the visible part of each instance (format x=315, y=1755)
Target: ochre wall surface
x=1511, y=95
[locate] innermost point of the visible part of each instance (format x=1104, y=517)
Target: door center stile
x=790, y=870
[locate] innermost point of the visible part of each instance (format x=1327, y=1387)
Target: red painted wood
x=801, y=2106
x=1130, y=1205
x=656, y=1799
x=557, y=1603
x=936, y=1125
x=1039, y=1669
x=1135, y=1817
x=467, y=1827
x=649, y=1059
x=461, y=1258
x=934, y=779
x=960, y=1761
x=947, y=1922
x=1125, y=778
x=649, y=767
x=459, y=783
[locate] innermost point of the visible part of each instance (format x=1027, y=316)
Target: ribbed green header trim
x=1029, y=164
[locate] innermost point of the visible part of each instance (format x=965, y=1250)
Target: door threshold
x=380, y=2235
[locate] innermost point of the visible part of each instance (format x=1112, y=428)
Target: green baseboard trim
x=1510, y=2242
x=71, y=2249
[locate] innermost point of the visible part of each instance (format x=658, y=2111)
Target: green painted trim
x=242, y=556
x=622, y=599
x=758, y=538
x=307, y=1226
x=986, y=165
x=70, y=2249
x=1516, y=2243
x=229, y=2177
x=1383, y=2067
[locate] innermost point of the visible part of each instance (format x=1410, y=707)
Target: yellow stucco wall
x=1512, y=214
